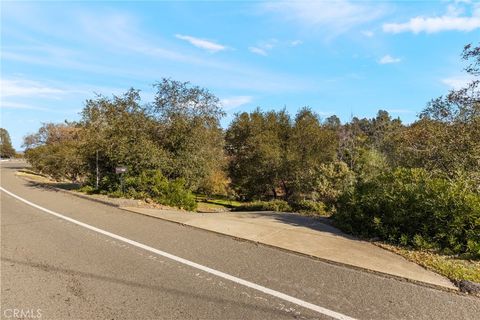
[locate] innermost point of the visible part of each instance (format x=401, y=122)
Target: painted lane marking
x=192, y=264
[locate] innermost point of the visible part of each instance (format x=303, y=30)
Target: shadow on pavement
x=322, y=224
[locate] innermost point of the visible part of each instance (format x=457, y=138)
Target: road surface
x=106, y=263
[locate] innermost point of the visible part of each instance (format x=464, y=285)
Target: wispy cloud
x=457, y=82
x=387, y=59
x=334, y=16
x=202, y=43
x=368, y=33
x=21, y=106
x=295, y=43
x=258, y=51
x=264, y=47
x=235, y=102
x=26, y=88
x=453, y=20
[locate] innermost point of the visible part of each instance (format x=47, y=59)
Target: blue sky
x=338, y=57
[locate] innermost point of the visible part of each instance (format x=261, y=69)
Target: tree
x=122, y=133
x=446, y=138
x=273, y=156
x=55, y=150
x=256, y=145
x=6, y=148
x=331, y=181
x=310, y=145
x=188, y=129
x=333, y=122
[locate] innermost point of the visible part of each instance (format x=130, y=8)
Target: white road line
x=217, y=273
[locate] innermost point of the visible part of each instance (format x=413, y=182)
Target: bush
x=332, y=179
x=176, y=195
x=411, y=207
x=304, y=206
x=312, y=207
x=87, y=189
x=274, y=205
x=152, y=184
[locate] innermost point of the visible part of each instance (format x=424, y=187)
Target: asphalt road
x=55, y=269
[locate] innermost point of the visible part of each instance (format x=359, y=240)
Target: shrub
x=332, y=179
x=308, y=206
x=412, y=207
x=176, y=195
x=274, y=205
x=152, y=184
x=149, y=182
x=87, y=189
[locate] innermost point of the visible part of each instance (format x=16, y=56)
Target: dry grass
x=42, y=179
x=451, y=267
x=210, y=207
x=33, y=176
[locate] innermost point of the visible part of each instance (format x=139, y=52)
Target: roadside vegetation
x=416, y=186
x=454, y=267
x=6, y=148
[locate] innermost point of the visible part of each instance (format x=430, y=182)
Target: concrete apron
x=303, y=235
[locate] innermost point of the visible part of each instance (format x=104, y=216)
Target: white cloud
x=235, y=102
x=336, y=16
x=368, y=33
x=258, y=51
x=202, y=43
x=21, y=106
x=452, y=20
x=104, y=38
x=295, y=43
x=264, y=47
x=389, y=59
x=23, y=88
x=457, y=82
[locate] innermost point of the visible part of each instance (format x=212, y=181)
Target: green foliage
x=121, y=132
x=152, y=184
x=256, y=145
x=187, y=128
x=332, y=180
x=177, y=195
x=415, y=185
x=216, y=183
x=412, y=207
x=6, y=148
x=273, y=156
x=87, y=189
x=310, y=146
x=446, y=138
x=274, y=205
x=449, y=147
x=311, y=207
x=303, y=206
x=59, y=156
x=179, y=135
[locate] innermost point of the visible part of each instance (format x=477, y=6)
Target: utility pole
x=98, y=178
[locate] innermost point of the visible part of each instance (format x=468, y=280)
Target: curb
x=87, y=197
